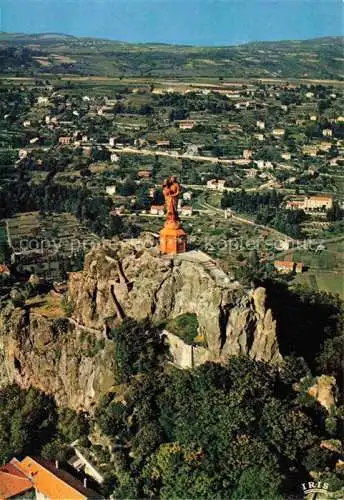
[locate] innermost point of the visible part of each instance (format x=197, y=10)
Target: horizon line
x=106, y=39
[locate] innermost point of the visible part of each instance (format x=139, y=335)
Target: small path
x=221, y=278
x=85, y=328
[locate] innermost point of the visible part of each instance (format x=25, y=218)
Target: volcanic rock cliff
x=73, y=359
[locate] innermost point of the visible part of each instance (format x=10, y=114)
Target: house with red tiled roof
x=19, y=478
x=311, y=203
x=186, y=124
x=4, y=270
x=144, y=174
x=295, y=205
x=288, y=266
x=284, y=266
x=13, y=482
x=163, y=143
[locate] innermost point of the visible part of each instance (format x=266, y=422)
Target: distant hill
x=22, y=54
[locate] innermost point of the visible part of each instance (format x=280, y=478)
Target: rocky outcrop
x=129, y=280
x=57, y=357
x=72, y=358
x=323, y=390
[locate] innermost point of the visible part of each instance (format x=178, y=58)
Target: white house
x=327, y=132
x=216, y=184
x=114, y=158
x=242, y=105
x=151, y=192
x=22, y=153
x=286, y=156
x=251, y=172
x=186, y=211
x=157, y=210
x=247, y=154
x=111, y=190
x=42, y=100
x=187, y=196
x=278, y=132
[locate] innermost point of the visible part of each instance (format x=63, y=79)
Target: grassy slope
x=319, y=58
x=325, y=269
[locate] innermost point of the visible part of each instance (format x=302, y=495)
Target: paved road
x=203, y=187
x=219, y=211
x=171, y=154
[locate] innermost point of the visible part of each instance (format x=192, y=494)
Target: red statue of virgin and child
x=172, y=236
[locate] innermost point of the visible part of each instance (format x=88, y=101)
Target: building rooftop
x=13, y=482
x=52, y=482
x=4, y=269
x=327, y=198
x=284, y=263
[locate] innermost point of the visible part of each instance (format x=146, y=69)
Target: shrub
x=184, y=326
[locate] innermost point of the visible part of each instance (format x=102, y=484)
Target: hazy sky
x=200, y=22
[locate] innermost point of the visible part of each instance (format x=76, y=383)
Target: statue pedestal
x=172, y=238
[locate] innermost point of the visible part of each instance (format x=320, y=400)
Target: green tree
x=288, y=431
x=139, y=347
x=258, y=482
x=27, y=421
x=72, y=425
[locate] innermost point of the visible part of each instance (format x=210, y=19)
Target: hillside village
x=116, y=143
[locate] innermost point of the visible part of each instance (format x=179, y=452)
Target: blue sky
x=198, y=22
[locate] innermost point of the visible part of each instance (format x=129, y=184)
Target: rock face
x=130, y=280
x=72, y=358
x=57, y=357
x=323, y=390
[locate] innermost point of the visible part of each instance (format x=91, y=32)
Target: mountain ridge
x=52, y=34
x=34, y=54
